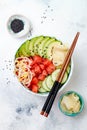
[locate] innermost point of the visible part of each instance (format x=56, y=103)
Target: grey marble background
x=19, y=110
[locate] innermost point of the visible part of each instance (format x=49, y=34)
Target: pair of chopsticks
x=57, y=84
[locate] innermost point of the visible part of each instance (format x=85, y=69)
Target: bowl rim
x=46, y=93
x=81, y=101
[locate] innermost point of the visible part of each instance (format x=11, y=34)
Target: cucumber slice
x=55, y=74
x=45, y=47
x=65, y=78
x=44, y=85
x=49, y=82
x=68, y=69
x=40, y=84
x=42, y=90
x=40, y=48
x=36, y=44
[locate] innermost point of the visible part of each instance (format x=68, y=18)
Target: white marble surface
x=19, y=110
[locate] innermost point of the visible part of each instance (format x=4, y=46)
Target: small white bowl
x=24, y=31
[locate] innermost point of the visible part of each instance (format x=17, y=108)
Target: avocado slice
x=46, y=46
x=36, y=44
x=27, y=43
x=49, y=49
x=31, y=46
x=22, y=50
x=17, y=54
x=40, y=47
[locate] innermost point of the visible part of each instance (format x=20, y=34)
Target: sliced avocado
x=45, y=47
x=17, y=55
x=27, y=43
x=19, y=51
x=36, y=44
x=31, y=46
x=40, y=47
x=49, y=49
x=22, y=50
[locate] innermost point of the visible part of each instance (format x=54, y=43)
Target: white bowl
x=27, y=26
x=63, y=86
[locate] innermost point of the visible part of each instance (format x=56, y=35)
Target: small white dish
x=26, y=26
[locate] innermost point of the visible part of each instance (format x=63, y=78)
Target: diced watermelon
x=34, y=80
x=46, y=62
x=42, y=66
x=34, y=88
x=37, y=59
x=41, y=77
x=44, y=72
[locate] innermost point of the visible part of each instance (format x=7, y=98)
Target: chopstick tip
x=46, y=114
x=78, y=33
x=42, y=112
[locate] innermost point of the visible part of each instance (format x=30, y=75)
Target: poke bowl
x=38, y=62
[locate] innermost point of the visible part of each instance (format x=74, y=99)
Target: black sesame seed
x=19, y=110
x=41, y=21
x=45, y=17
x=51, y=9
x=17, y=25
x=52, y=19
x=48, y=6
x=44, y=13
x=17, y=117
